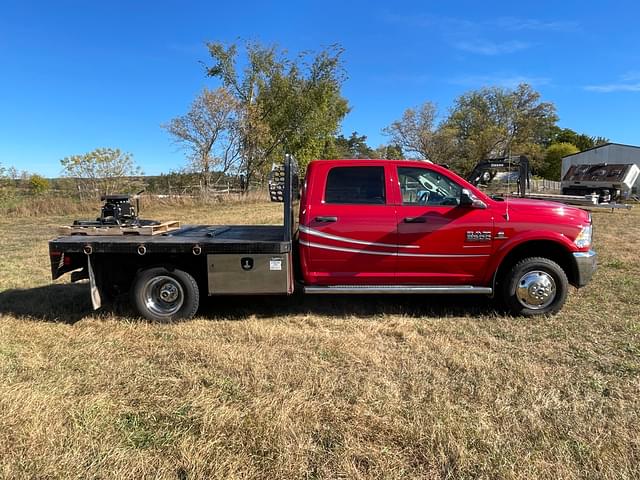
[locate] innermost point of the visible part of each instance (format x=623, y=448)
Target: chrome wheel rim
x=536, y=290
x=163, y=296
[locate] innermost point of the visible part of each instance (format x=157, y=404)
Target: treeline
x=268, y=103
x=15, y=184
x=489, y=123
x=275, y=105
x=14, y=188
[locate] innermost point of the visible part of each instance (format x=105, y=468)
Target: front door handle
x=326, y=219
x=415, y=220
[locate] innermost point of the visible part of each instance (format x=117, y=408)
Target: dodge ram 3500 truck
x=352, y=226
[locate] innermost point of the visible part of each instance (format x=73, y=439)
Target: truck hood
x=544, y=207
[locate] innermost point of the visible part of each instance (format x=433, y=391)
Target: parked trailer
x=608, y=181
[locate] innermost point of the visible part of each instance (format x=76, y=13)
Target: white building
x=609, y=153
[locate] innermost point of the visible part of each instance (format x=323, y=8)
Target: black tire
x=535, y=286
x=164, y=295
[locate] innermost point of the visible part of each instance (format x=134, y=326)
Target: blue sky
x=76, y=75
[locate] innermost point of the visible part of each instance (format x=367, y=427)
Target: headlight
x=583, y=239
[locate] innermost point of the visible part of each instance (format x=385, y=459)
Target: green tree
x=287, y=105
x=494, y=122
x=389, y=152
x=209, y=132
x=552, y=165
x=415, y=131
x=418, y=135
x=38, y=184
x=175, y=182
x=353, y=147
x=101, y=171
x=581, y=140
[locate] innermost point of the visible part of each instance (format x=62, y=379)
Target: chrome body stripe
x=343, y=249
x=329, y=236
x=396, y=254
x=376, y=289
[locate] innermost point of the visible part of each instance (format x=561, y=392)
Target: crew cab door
x=453, y=242
x=348, y=233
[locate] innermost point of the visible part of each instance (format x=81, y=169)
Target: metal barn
x=608, y=153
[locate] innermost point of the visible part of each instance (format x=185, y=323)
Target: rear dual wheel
x=165, y=295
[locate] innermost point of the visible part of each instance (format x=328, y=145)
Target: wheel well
x=539, y=248
x=120, y=270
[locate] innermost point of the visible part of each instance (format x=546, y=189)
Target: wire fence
x=544, y=185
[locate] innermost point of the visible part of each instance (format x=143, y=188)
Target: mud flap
x=96, y=300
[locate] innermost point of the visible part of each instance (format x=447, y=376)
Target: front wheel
x=535, y=286
x=163, y=295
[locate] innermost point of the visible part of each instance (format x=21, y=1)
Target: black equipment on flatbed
x=166, y=272
x=117, y=210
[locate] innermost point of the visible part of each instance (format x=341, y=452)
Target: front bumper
x=586, y=265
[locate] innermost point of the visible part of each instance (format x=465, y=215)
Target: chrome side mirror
x=468, y=199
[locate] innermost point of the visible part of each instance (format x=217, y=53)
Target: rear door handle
x=326, y=219
x=415, y=220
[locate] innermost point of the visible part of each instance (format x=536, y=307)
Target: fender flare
x=506, y=248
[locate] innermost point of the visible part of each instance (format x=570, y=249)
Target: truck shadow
x=339, y=306
x=70, y=303
x=49, y=303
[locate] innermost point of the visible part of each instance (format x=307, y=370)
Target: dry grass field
x=319, y=387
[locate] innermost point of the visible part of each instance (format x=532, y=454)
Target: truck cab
x=412, y=226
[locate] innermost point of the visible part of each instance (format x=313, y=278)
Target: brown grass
x=322, y=387
x=52, y=205
x=44, y=206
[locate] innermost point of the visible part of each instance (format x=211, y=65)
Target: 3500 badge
x=478, y=236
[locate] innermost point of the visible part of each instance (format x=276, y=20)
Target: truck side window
x=421, y=186
x=359, y=185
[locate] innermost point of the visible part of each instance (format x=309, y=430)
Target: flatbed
x=167, y=272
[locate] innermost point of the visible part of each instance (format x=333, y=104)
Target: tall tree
x=293, y=106
x=101, y=171
x=210, y=132
x=495, y=121
x=415, y=131
x=418, y=135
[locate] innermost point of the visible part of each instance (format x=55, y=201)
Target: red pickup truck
x=363, y=226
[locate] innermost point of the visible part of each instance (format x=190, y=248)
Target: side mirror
x=468, y=199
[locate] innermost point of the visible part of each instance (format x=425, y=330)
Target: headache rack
x=284, y=187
